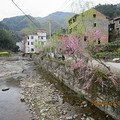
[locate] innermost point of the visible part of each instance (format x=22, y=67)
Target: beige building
x=88, y=21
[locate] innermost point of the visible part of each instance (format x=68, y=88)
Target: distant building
x=115, y=29
x=33, y=42
x=20, y=45
x=90, y=19
x=115, y=24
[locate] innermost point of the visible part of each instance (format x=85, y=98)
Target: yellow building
x=88, y=21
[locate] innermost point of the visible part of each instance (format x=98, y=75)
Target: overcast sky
x=40, y=8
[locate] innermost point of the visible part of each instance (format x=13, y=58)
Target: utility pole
x=50, y=29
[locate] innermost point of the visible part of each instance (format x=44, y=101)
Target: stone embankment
x=94, y=94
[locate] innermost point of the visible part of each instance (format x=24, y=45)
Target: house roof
x=32, y=34
x=116, y=18
x=107, y=17
x=41, y=30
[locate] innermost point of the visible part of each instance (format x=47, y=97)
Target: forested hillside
x=24, y=26
x=59, y=17
x=109, y=10
x=8, y=37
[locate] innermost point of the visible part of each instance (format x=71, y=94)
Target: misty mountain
x=59, y=17
x=118, y=4
x=24, y=26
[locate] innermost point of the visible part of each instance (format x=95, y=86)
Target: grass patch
x=107, y=54
x=3, y=53
x=81, y=96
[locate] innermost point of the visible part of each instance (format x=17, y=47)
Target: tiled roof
x=31, y=34
x=116, y=18
x=41, y=30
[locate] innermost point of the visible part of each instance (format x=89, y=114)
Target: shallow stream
x=11, y=107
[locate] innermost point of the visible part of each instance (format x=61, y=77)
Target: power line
x=67, y=4
x=25, y=14
x=63, y=5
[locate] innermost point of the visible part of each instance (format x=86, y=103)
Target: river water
x=29, y=82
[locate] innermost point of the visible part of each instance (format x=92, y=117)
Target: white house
x=20, y=45
x=33, y=41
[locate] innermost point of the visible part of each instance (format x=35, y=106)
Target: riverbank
x=94, y=94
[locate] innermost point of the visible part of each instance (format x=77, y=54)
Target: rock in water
x=5, y=89
x=22, y=99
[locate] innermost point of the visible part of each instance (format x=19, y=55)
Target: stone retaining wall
x=94, y=94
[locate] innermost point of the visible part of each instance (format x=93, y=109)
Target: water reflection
x=11, y=107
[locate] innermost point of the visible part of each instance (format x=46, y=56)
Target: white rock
x=69, y=118
x=116, y=59
x=90, y=118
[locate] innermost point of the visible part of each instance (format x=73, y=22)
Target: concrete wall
x=93, y=94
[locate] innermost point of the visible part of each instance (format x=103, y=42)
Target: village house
x=33, y=42
x=116, y=22
x=20, y=45
x=89, y=20
x=115, y=30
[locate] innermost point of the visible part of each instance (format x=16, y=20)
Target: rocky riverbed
x=45, y=97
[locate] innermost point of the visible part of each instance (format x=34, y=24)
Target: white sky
x=40, y=8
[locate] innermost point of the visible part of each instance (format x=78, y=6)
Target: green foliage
x=108, y=54
x=109, y=10
x=8, y=37
x=81, y=96
x=119, y=49
x=6, y=41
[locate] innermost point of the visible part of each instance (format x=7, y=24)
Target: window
x=42, y=37
x=32, y=49
x=117, y=28
x=94, y=24
x=32, y=37
x=32, y=43
x=74, y=19
x=94, y=15
x=28, y=43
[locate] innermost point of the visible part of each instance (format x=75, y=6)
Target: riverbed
x=35, y=95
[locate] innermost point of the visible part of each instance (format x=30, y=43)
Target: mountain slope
x=118, y=4
x=22, y=24
x=59, y=17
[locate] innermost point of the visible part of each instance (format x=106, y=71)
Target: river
x=35, y=95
